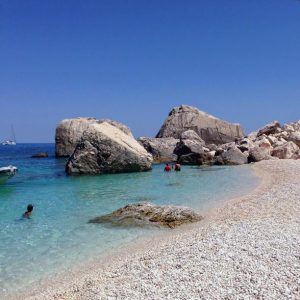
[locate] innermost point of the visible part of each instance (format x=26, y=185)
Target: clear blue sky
x=133, y=60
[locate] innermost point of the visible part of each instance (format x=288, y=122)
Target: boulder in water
x=40, y=155
x=104, y=148
x=70, y=131
x=149, y=214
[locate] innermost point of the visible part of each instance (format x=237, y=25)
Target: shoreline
x=103, y=279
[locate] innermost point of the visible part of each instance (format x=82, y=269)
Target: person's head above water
x=28, y=213
x=29, y=207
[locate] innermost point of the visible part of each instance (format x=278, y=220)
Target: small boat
x=12, y=140
x=7, y=172
x=9, y=142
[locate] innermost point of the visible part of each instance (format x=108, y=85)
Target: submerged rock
x=104, y=148
x=149, y=214
x=211, y=129
x=40, y=155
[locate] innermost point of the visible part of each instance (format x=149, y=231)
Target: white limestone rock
x=104, y=148
x=211, y=129
x=69, y=132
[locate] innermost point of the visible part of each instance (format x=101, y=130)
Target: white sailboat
x=12, y=140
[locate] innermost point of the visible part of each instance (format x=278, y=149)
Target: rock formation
x=148, y=214
x=161, y=149
x=286, y=150
x=106, y=148
x=209, y=128
x=190, y=149
x=69, y=133
x=273, y=141
x=233, y=156
x=270, y=128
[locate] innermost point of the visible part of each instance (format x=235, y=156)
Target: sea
x=58, y=237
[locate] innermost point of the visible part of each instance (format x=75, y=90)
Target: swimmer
x=177, y=166
x=27, y=214
x=167, y=168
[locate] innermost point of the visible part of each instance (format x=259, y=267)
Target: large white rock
x=104, y=148
x=211, y=129
x=69, y=132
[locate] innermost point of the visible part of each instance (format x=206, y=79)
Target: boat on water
x=7, y=172
x=12, y=140
x=9, y=142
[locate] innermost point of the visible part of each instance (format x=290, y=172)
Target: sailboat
x=12, y=141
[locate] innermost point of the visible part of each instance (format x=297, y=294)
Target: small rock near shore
x=140, y=214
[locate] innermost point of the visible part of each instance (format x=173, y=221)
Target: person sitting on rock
x=167, y=168
x=27, y=214
x=177, y=166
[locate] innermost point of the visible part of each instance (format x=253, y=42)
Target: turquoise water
x=58, y=235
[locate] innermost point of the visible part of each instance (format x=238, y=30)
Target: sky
x=134, y=60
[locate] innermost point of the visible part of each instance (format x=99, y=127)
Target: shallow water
x=58, y=235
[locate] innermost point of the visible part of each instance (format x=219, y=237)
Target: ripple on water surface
x=58, y=236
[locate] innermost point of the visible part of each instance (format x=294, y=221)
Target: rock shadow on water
x=148, y=214
x=174, y=184
x=210, y=169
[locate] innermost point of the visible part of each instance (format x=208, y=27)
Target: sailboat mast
x=13, y=134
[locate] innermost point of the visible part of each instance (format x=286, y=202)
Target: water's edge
x=135, y=247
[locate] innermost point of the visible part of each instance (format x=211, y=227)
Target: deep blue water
x=58, y=235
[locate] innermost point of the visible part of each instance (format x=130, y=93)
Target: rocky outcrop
x=161, y=149
x=233, y=156
x=294, y=137
x=149, y=214
x=270, y=128
x=257, y=154
x=285, y=151
x=69, y=132
x=209, y=128
x=106, y=148
x=191, y=151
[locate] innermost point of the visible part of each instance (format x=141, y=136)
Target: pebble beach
x=246, y=248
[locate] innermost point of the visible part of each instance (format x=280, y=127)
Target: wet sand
x=246, y=248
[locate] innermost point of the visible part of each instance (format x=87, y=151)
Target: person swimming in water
x=167, y=168
x=177, y=166
x=27, y=214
